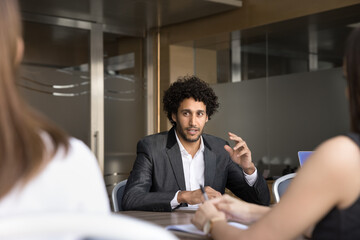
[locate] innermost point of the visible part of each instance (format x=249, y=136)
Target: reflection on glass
x=124, y=104
x=55, y=76
x=304, y=44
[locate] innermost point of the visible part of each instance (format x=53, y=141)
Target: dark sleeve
x=236, y=182
x=137, y=194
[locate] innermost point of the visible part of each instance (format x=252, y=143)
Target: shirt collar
x=183, y=150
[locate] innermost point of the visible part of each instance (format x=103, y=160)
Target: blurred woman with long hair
x=41, y=168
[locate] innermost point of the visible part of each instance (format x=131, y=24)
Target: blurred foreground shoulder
x=339, y=152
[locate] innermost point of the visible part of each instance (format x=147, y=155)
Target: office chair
x=79, y=226
x=281, y=184
x=117, y=194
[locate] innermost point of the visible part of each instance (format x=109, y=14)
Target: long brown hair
x=22, y=150
x=352, y=66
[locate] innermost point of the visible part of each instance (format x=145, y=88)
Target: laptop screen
x=303, y=155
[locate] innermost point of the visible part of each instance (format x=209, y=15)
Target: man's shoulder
x=212, y=138
x=214, y=141
x=155, y=138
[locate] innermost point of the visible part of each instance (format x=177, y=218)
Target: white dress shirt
x=194, y=169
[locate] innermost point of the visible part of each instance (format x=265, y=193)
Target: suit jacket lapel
x=210, y=164
x=174, y=155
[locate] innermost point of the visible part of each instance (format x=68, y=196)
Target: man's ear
x=173, y=117
x=207, y=118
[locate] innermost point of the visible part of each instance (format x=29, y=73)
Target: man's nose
x=193, y=120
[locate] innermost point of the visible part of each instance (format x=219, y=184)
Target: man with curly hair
x=170, y=166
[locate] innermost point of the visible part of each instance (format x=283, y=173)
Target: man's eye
x=200, y=113
x=186, y=114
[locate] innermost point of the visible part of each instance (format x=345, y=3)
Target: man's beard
x=183, y=135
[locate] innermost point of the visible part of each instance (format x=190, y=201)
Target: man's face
x=190, y=119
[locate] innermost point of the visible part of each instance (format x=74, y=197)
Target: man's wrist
x=181, y=198
x=250, y=170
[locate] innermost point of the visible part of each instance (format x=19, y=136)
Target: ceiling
x=132, y=16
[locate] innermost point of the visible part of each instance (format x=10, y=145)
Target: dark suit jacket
x=158, y=174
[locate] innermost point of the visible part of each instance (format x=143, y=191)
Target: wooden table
x=168, y=218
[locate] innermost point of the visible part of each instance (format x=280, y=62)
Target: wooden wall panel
x=253, y=13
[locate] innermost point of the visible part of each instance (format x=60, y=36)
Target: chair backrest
x=80, y=226
x=281, y=184
x=117, y=194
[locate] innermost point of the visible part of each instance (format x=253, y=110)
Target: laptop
x=303, y=155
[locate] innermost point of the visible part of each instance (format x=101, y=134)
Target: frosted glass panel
x=124, y=105
x=55, y=76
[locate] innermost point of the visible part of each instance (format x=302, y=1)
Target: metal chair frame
x=114, y=195
x=284, y=179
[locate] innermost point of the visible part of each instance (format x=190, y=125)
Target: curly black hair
x=189, y=87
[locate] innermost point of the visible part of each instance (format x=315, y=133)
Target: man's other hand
x=196, y=196
x=240, y=154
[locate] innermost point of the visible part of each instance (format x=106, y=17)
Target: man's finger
x=229, y=149
x=243, y=152
x=232, y=134
x=236, y=138
x=239, y=145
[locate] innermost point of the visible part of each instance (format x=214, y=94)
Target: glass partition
x=124, y=94
x=55, y=77
x=55, y=80
x=294, y=70
x=305, y=44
